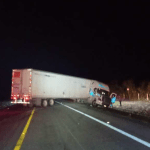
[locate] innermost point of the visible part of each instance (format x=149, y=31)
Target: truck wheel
x=44, y=103
x=51, y=102
x=94, y=103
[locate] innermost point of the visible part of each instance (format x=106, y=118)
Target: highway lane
x=59, y=127
x=12, y=122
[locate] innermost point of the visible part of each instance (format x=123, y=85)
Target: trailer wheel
x=44, y=103
x=94, y=103
x=51, y=102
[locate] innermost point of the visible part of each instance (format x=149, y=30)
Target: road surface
x=72, y=126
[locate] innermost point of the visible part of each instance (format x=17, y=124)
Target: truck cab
x=101, y=98
x=99, y=94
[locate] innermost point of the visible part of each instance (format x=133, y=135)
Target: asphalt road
x=63, y=128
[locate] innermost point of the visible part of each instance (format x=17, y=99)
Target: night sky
x=104, y=41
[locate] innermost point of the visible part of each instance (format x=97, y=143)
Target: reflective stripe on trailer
x=20, y=102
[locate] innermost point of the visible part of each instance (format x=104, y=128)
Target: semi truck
x=41, y=88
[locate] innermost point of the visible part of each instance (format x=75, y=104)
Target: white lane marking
x=110, y=126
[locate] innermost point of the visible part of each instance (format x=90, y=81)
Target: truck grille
x=106, y=100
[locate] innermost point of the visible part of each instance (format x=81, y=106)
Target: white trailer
x=36, y=87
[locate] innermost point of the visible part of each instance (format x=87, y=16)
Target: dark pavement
x=12, y=122
x=60, y=128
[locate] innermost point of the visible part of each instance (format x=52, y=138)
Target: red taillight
x=26, y=97
x=14, y=97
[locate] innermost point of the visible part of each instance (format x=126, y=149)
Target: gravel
x=134, y=107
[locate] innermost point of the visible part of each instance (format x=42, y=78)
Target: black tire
x=51, y=102
x=94, y=104
x=44, y=103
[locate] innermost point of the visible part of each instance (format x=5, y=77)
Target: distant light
x=127, y=89
x=108, y=122
x=104, y=105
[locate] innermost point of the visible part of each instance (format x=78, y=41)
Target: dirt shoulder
x=137, y=109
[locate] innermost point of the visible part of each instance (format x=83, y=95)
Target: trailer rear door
x=16, y=84
x=21, y=84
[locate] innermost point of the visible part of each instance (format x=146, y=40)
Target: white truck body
x=35, y=85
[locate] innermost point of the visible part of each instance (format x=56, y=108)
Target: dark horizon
x=104, y=42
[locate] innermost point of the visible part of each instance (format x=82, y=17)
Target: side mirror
x=113, y=94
